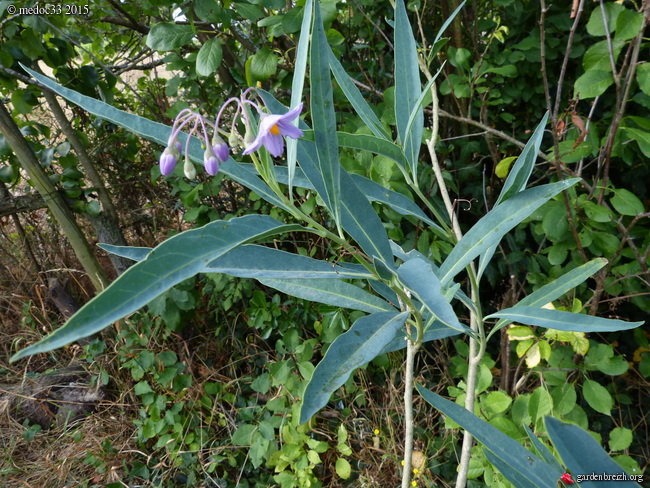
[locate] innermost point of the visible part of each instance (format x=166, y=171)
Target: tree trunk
x=64, y=217
x=107, y=225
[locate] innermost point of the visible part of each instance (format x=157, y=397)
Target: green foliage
x=552, y=237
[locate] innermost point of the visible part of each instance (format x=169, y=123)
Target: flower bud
x=189, y=169
x=211, y=161
x=220, y=147
x=168, y=160
x=233, y=140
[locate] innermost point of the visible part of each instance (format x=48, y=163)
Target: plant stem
x=411, y=349
x=476, y=348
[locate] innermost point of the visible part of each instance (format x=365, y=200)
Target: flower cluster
x=270, y=132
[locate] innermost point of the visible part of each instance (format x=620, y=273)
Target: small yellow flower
x=416, y=471
x=376, y=431
x=414, y=483
x=402, y=462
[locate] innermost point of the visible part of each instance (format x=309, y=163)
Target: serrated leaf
x=169, y=36
x=209, y=57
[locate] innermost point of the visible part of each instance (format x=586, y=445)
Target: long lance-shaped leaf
x=560, y=320
x=356, y=99
x=302, y=53
x=517, y=179
x=159, y=133
x=556, y=288
x=372, y=190
x=254, y=261
x=511, y=474
x=582, y=454
x=418, y=107
x=361, y=344
x=447, y=22
x=399, y=253
x=434, y=332
x=173, y=261
x=358, y=218
x=495, y=224
x=324, y=119
x=374, y=144
x=407, y=87
x=543, y=451
x=418, y=276
x=526, y=464
x=330, y=292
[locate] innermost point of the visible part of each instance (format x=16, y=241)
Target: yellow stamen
x=275, y=130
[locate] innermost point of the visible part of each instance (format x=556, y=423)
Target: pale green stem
x=476, y=348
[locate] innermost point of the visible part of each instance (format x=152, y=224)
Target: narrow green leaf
x=435, y=331
x=356, y=99
x=507, y=471
x=417, y=110
x=418, y=276
x=560, y=320
x=209, y=57
x=160, y=133
x=254, y=261
x=169, y=36
x=495, y=224
x=544, y=452
x=407, y=87
x=324, y=119
x=178, y=258
x=298, y=84
x=517, y=179
x=351, y=350
x=581, y=453
x=330, y=292
x=524, y=463
x=449, y=20
x=358, y=218
x=376, y=145
x=557, y=288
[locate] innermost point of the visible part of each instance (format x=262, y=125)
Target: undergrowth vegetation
x=203, y=387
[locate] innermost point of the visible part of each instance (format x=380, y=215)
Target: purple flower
x=211, y=161
x=272, y=128
x=168, y=160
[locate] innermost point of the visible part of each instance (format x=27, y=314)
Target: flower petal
x=274, y=145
